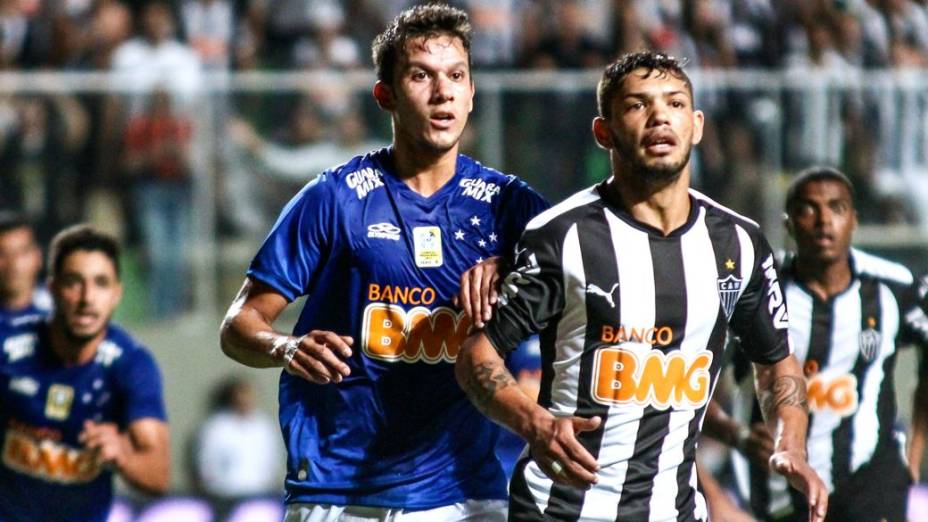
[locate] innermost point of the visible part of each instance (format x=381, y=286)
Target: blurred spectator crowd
x=312, y=34
x=143, y=155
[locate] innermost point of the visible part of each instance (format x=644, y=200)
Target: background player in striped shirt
x=850, y=311
x=375, y=425
x=21, y=295
x=632, y=285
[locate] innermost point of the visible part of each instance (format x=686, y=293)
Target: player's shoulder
x=19, y=340
x=488, y=184
x=565, y=214
x=120, y=348
x=721, y=213
x=881, y=268
x=357, y=177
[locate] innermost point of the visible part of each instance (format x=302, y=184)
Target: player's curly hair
x=429, y=20
x=617, y=71
x=81, y=237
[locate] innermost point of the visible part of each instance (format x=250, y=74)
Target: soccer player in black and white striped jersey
x=632, y=285
x=849, y=313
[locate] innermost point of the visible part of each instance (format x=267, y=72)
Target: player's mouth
x=85, y=318
x=823, y=239
x=659, y=143
x=442, y=120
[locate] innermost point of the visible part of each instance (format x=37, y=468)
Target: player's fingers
x=494, y=288
x=464, y=294
x=335, y=343
x=335, y=368
x=563, y=469
x=295, y=368
x=476, y=296
x=318, y=373
x=485, y=289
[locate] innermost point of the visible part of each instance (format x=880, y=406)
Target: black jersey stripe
x=670, y=310
x=600, y=269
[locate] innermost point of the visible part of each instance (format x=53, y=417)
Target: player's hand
x=319, y=357
x=560, y=455
x=479, y=290
x=756, y=444
x=794, y=467
x=105, y=439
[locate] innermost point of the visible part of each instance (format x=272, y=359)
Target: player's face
x=86, y=292
x=20, y=261
x=822, y=221
x=653, y=126
x=432, y=93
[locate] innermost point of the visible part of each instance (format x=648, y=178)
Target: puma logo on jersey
x=595, y=290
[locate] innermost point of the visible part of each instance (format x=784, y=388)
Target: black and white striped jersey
x=632, y=328
x=847, y=345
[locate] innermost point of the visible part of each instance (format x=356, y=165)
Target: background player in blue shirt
x=374, y=422
x=79, y=398
x=21, y=297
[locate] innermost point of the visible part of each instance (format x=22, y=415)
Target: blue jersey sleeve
x=299, y=242
x=141, y=388
x=520, y=203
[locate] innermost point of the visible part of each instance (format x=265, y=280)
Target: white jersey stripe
x=570, y=330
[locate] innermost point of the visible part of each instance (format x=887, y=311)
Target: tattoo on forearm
x=787, y=390
x=485, y=381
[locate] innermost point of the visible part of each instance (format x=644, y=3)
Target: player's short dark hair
x=81, y=237
x=429, y=21
x=10, y=221
x=817, y=173
x=616, y=72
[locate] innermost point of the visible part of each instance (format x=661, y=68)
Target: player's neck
x=19, y=301
x=424, y=171
x=665, y=208
x=70, y=351
x=824, y=279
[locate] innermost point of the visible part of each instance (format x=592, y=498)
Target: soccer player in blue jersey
x=21, y=297
x=80, y=400
x=375, y=425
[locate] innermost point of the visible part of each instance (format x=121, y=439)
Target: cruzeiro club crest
x=729, y=288
x=870, y=340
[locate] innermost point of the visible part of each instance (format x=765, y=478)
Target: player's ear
x=788, y=225
x=601, y=133
x=383, y=93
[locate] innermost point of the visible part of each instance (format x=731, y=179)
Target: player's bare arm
x=482, y=374
x=753, y=442
x=247, y=336
x=916, y=450
x=479, y=290
x=141, y=454
x=781, y=391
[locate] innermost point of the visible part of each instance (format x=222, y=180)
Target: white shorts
x=472, y=510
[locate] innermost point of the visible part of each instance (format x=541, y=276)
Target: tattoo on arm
x=787, y=390
x=485, y=381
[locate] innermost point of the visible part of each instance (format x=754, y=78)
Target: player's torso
x=43, y=407
x=639, y=344
x=400, y=413
x=847, y=346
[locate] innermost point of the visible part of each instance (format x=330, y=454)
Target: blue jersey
x=38, y=308
x=381, y=263
x=45, y=473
